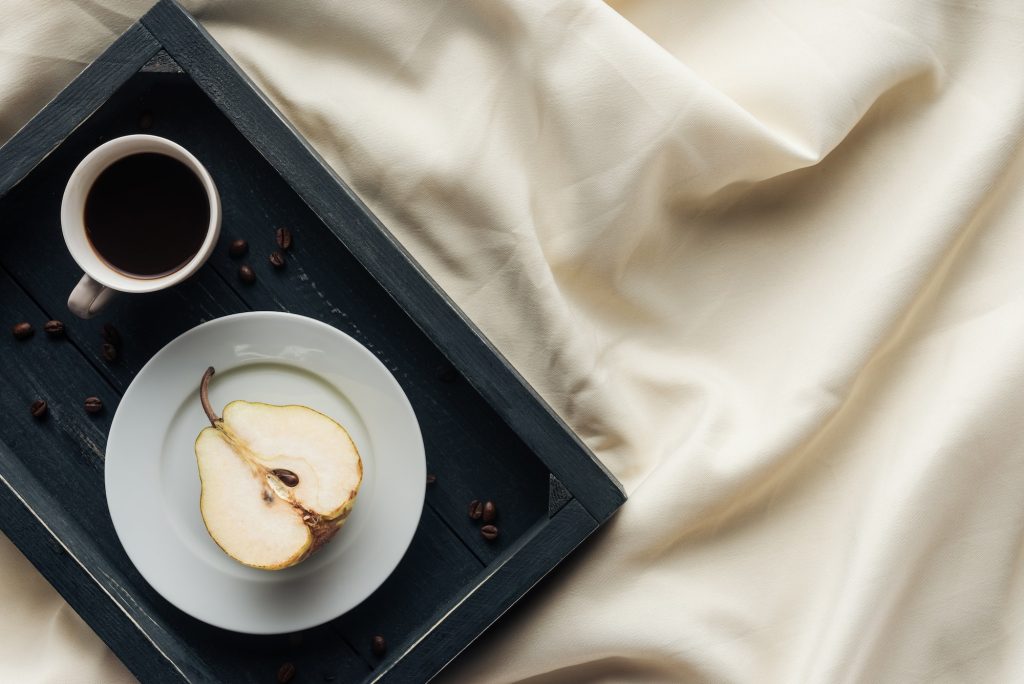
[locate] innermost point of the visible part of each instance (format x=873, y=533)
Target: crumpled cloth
x=764, y=257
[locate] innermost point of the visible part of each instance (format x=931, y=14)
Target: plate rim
x=227, y=320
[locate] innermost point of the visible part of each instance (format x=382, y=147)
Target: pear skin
x=278, y=482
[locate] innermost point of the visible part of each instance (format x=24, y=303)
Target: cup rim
x=113, y=151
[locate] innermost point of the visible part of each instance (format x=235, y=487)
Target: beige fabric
x=765, y=257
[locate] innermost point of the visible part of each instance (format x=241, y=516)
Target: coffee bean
x=284, y=238
x=285, y=673
x=93, y=404
x=378, y=646
x=146, y=120
x=490, y=512
x=476, y=509
x=246, y=275
x=431, y=478
x=38, y=408
x=23, y=330
x=238, y=248
x=110, y=335
x=54, y=328
x=489, y=532
x=277, y=259
x=287, y=477
x=109, y=352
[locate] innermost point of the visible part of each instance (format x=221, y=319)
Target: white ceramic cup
x=101, y=281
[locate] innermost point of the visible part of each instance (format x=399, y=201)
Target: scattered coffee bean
x=109, y=352
x=54, y=328
x=246, y=274
x=285, y=673
x=238, y=248
x=23, y=330
x=277, y=259
x=284, y=238
x=38, y=408
x=431, y=478
x=378, y=646
x=110, y=335
x=287, y=477
x=146, y=120
x=476, y=509
x=490, y=512
x=93, y=405
x=447, y=373
x=489, y=532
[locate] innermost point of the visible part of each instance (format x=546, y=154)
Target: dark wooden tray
x=487, y=434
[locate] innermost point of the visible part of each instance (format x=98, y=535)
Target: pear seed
x=287, y=477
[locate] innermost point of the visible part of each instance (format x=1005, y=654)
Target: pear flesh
x=277, y=481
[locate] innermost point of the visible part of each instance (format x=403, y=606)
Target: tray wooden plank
x=463, y=429
x=487, y=433
x=372, y=244
x=42, y=265
x=68, y=447
x=408, y=598
x=86, y=577
x=493, y=593
x=58, y=118
x=410, y=594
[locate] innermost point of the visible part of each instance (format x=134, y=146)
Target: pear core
x=277, y=481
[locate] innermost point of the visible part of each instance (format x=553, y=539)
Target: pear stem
x=204, y=396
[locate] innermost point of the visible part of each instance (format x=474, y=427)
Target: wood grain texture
x=63, y=552
x=558, y=496
x=474, y=453
x=87, y=92
x=467, y=434
x=487, y=435
x=66, y=465
x=67, y=446
x=63, y=457
x=40, y=262
x=161, y=62
x=495, y=591
x=378, y=251
x=431, y=573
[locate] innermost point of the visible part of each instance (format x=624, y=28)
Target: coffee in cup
x=139, y=214
x=146, y=215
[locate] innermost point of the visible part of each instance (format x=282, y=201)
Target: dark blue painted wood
x=388, y=301
x=92, y=87
x=456, y=624
x=85, y=576
x=371, y=243
x=473, y=452
x=61, y=468
x=424, y=579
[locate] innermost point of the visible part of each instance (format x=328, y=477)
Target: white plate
x=152, y=480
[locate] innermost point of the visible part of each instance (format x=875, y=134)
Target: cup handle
x=88, y=297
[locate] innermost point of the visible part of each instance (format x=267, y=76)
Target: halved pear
x=277, y=481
